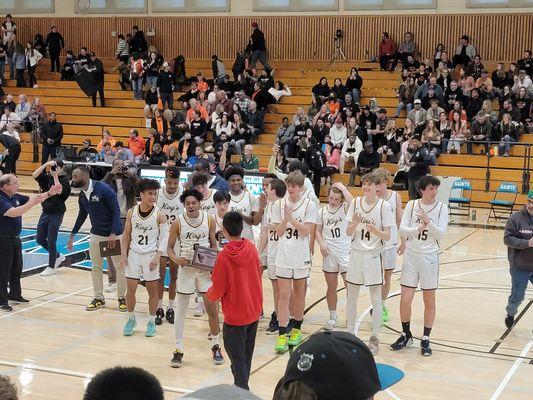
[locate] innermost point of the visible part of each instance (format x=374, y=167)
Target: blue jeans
x=151, y=80
x=519, y=279
x=47, y=230
x=505, y=144
x=401, y=106
x=137, y=86
x=356, y=95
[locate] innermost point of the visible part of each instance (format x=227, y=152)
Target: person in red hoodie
x=236, y=281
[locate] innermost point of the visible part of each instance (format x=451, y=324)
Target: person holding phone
x=53, y=211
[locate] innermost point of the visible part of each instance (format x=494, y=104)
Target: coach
x=12, y=206
x=98, y=201
x=518, y=238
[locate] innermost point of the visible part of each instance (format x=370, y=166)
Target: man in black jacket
x=53, y=211
x=480, y=131
x=165, y=85
x=367, y=161
x=256, y=120
x=138, y=42
x=54, y=42
x=518, y=238
x=12, y=148
x=51, y=134
x=96, y=68
x=419, y=166
x=258, y=48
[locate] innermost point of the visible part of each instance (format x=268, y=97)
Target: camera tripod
x=338, y=54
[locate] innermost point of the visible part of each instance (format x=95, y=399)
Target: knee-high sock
x=182, y=304
x=352, y=293
x=377, y=309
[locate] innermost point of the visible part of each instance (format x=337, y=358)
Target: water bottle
x=474, y=215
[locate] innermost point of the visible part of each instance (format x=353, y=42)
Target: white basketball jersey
x=293, y=248
x=245, y=203
x=273, y=240
x=334, y=224
x=192, y=234
x=144, y=231
x=170, y=205
x=208, y=204
x=380, y=216
x=425, y=241
x=393, y=201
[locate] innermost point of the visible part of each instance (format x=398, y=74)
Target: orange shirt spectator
x=203, y=86
x=137, y=145
x=107, y=139
x=203, y=111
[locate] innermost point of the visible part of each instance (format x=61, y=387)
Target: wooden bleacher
x=80, y=120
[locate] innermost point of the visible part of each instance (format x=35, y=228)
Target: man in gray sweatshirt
x=518, y=238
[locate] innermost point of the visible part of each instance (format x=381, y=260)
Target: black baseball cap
x=338, y=365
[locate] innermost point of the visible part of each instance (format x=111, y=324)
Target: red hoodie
x=237, y=283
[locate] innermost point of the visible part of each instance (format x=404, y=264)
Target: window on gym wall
x=498, y=3
x=296, y=5
x=26, y=6
x=159, y=6
x=356, y=5
x=114, y=6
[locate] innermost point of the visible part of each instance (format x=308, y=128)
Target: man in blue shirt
x=99, y=201
x=12, y=206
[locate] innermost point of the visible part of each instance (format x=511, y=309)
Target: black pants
x=10, y=268
x=48, y=151
x=20, y=78
x=166, y=98
x=102, y=98
x=413, y=187
x=11, y=159
x=239, y=342
x=383, y=60
x=31, y=75
x=460, y=60
x=54, y=63
x=400, y=57
x=47, y=231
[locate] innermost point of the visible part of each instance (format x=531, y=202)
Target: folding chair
x=459, y=201
x=503, y=203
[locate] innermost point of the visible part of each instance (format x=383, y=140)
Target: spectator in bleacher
x=10, y=118
x=353, y=127
x=157, y=157
x=507, y=133
x=106, y=138
x=11, y=152
x=3, y=60
x=484, y=80
x=107, y=151
x=464, y=53
x=499, y=79
x=255, y=119
x=198, y=127
x=219, y=70
x=508, y=108
x=262, y=97
x=458, y=133
x=437, y=56
x=417, y=116
x=137, y=71
x=480, y=131
x=38, y=44
x=412, y=65
x=67, y=72
x=87, y=151
x=10, y=47
x=8, y=103
x=406, y=96
x=23, y=108
x=54, y=43
x=124, y=154
x=51, y=135
x=258, y=48
x=320, y=130
x=37, y=111
x=367, y=118
x=475, y=102
x=208, y=167
x=444, y=127
x=279, y=90
x=387, y=50
x=33, y=56
x=406, y=48
x=458, y=107
x=418, y=165
x=151, y=67
x=165, y=86
x=241, y=134
x=8, y=28
x=322, y=89
x=136, y=144
x=376, y=134
x=432, y=83
x=338, y=88
x=82, y=60
x=350, y=151
x=11, y=131
x=284, y=136
x=522, y=80
x=338, y=132
x=393, y=140
x=138, y=42
x=19, y=57
x=96, y=68
x=526, y=63
x=445, y=79
x=453, y=94
x=151, y=100
x=123, y=49
x=159, y=123
x=196, y=106
x=242, y=101
x=466, y=81
x=249, y=162
x=475, y=67
x=367, y=161
x=431, y=139
x=434, y=111
x=523, y=103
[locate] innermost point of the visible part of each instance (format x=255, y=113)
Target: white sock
x=182, y=304
x=333, y=315
x=377, y=309
x=151, y=318
x=215, y=339
x=160, y=304
x=170, y=304
x=131, y=315
x=179, y=344
x=352, y=293
x=200, y=299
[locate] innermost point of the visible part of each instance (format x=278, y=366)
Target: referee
x=12, y=206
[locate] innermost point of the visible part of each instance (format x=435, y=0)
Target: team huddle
x=359, y=239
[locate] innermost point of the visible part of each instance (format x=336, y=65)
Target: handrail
x=527, y=165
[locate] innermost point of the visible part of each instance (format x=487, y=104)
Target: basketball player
x=169, y=203
x=391, y=249
x=222, y=200
x=295, y=219
x=275, y=190
x=334, y=244
x=243, y=202
x=199, y=182
x=144, y=240
x=369, y=224
x=424, y=224
x=192, y=228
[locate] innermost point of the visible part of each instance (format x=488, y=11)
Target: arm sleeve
x=511, y=237
x=82, y=216
x=405, y=229
x=439, y=229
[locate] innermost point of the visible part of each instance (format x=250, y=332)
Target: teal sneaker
x=150, y=329
x=129, y=327
x=385, y=314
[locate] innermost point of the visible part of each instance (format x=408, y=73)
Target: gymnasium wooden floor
x=52, y=346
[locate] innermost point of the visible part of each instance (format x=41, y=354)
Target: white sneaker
x=59, y=260
x=199, y=310
x=36, y=86
x=48, y=272
x=111, y=287
x=373, y=345
x=330, y=324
